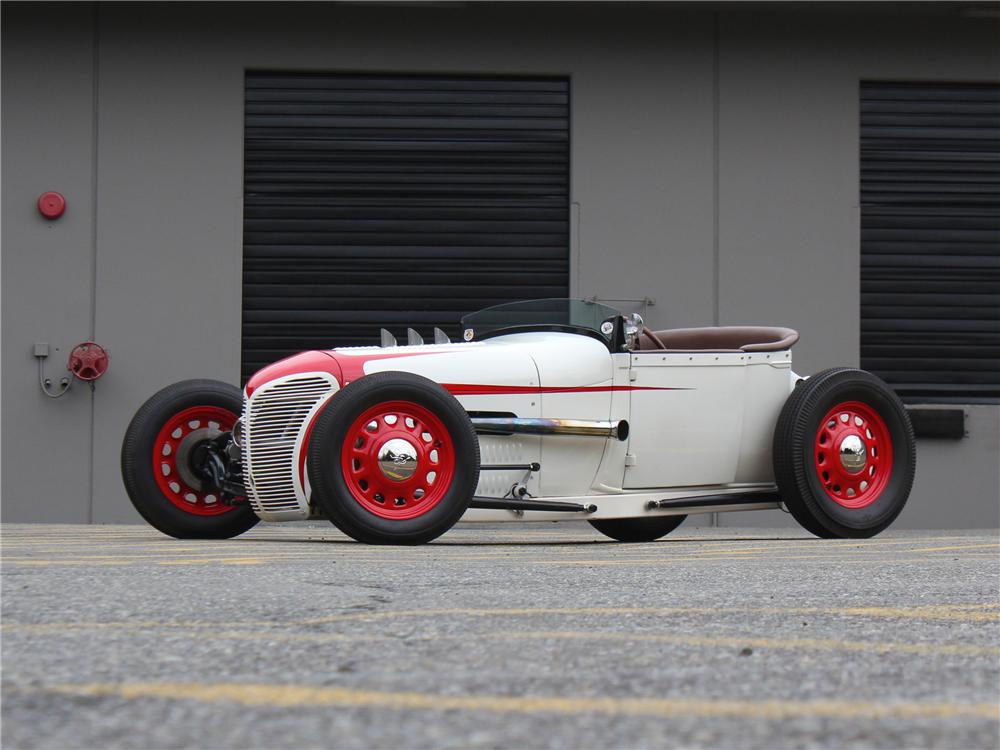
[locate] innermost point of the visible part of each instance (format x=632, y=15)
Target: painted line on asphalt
x=164, y=562
x=521, y=551
x=547, y=556
x=960, y=546
x=273, y=558
x=27, y=533
x=781, y=644
x=969, y=612
x=839, y=559
x=293, y=695
x=715, y=642
x=560, y=546
x=933, y=612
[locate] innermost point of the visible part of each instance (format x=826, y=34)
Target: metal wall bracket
x=41, y=352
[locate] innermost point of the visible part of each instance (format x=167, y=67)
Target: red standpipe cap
x=88, y=361
x=51, y=205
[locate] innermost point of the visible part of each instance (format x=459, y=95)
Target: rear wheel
x=393, y=459
x=161, y=461
x=638, y=529
x=844, y=454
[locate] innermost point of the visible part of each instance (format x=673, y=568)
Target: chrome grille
x=273, y=418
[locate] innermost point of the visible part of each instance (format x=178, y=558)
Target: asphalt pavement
x=526, y=636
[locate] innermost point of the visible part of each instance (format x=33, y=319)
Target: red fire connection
x=88, y=361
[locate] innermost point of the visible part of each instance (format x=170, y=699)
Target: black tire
x=638, y=529
x=137, y=462
x=800, y=482
x=326, y=476
x=791, y=406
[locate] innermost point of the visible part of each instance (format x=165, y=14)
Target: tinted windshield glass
x=540, y=313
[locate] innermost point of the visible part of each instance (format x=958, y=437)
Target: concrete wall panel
x=169, y=217
x=48, y=113
x=693, y=130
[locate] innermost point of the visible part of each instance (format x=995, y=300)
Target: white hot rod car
x=548, y=410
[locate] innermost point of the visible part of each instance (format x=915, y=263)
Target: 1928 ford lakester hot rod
x=548, y=410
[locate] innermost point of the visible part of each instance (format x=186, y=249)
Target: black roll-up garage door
x=930, y=239
x=377, y=201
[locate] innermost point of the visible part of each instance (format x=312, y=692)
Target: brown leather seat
x=723, y=339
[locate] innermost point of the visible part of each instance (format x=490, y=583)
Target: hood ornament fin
x=387, y=339
x=413, y=338
x=440, y=337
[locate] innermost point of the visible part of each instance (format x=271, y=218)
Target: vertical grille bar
x=273, y=420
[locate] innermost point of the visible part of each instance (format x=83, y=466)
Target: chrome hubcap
x=397, y=458
x=853, y=454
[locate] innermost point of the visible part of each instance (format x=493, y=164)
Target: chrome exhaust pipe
x=528, y=426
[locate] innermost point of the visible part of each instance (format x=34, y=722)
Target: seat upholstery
x=724, y=339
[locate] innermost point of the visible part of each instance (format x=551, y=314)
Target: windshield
x=542, y=314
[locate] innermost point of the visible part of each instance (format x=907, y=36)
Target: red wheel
x=398, y=460
x=393, y=459
x=163, y=451
x=173, y=450
x=853, y=454
x=844, y=454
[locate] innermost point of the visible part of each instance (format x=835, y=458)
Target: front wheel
x=844, y=454
x=638, y=529
x=160, y=467
x=393, y=459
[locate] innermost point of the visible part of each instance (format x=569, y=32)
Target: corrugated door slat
x=392, y=201
x=930, y=239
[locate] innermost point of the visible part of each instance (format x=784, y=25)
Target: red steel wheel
x=398, y=460
x=853, y=454
x=393, y=459
x=172, y=452
x=844, y=454
x=161, y=455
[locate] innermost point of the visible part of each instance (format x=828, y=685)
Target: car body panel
x=699, y=422
x=716, y=424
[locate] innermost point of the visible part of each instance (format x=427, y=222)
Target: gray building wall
x=714, y=168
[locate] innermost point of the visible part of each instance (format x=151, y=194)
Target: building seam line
x=715, y=184
x=95, y=73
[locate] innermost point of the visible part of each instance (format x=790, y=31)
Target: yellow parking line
x=838, y=559
x=271, y=556
x=730, y=642
x=12, y=551
x=993, y=546
x=152, y=561
x=962, y=612
x=918, y=612
x=783, y=644
x=285, y=695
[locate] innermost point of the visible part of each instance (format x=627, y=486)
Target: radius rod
x=497, y=503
